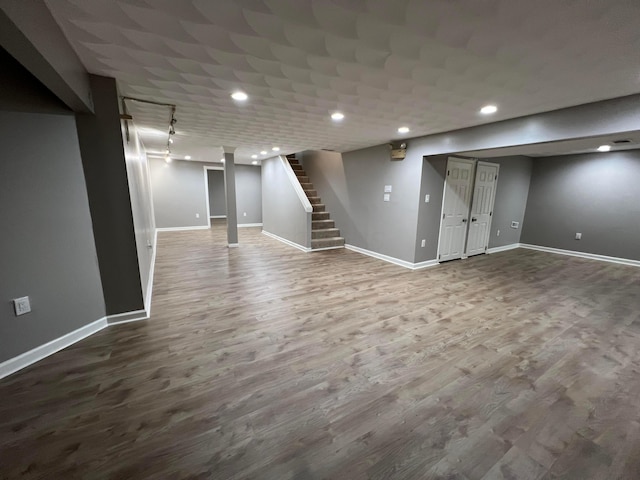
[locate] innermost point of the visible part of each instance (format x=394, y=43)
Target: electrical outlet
x=197, y=215
x=426, y=198
x=21, y=305
x=423, y=243
x=515, y=224
x=386, y=197
x=578, y=236
x=498, y=233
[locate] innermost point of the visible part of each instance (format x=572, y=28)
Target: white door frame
x=206, y=189
x=472, y=161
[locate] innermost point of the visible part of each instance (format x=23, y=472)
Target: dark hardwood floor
x=264, y=362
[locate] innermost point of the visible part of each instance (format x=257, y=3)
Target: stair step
x=303, y=178
x=320, y=216
x=315, y=200
x=296, y=166
x=320, y=224
x=307, y=186
x=311, y=193
x=325, y=233
x=327, y=242
x=299, y=172
x=319, y=207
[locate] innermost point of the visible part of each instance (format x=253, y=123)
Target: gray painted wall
x=282, y=212
x=105, y=171
x=47, y=243
x=141, y=204
x=249, y=194
x=217, y=200
x=179, y=193
x=352, y=187
x=596, y=194
x=511, y=199
x=432, y=184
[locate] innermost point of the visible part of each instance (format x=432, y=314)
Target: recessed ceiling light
x=604, y=148
x=488, y=109
x=254, y=156
x=239, y=96
x=255, y=162
x=403, y=130
x=337, y=116
x=263, y=152
x=187, y=157
x=276, y=149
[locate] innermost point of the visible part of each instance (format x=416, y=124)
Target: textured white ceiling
x=427, y=64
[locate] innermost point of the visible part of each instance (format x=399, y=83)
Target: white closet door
x=455, y=208
x=484, y=195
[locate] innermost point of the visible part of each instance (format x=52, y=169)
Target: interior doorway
x=467, y=208
x=216, y=197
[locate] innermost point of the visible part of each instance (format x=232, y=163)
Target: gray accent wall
x=596, y=194
x=432, y=183
x=511, y=199
x=179, y=193
x=105, y=170
x=249, y=194
x=282, y=212
x=217, y=200
x=47, y=242
x=351, y=185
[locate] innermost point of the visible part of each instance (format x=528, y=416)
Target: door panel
x=484, y=193
x=455, y=208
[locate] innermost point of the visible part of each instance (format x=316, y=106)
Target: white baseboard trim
x=181, y=229
x=503, y=248
x=218, y=216
x=32, y=356
x=127, y=317
x=395, y=261
x=284, y=240
x=590, y=256
x=233, y=245
x=244, y=225
x=327, y=248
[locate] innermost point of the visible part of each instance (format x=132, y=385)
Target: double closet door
x=467, y=208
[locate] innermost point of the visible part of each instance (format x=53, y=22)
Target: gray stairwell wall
x=180, y=192
x=47, y=243
x=217, y=200
x=596, y=194
x=282, y=212
x=351, y=185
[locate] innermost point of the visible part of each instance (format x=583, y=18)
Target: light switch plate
x=388, y=188
x=578, y=236
x=426, y=198
x=387, y=197
x=21, y=305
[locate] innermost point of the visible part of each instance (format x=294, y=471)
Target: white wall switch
x=515, y=224
x=578, y=236
x=197, y=215
x=426, y=198
x=498, y=233
x=21, y=305
x=423, y=243
x=387, y=197
x=387, y=188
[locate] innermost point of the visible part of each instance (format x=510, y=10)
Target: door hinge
x=490, y=214
x=439, y=257
x=448, y=173
x=496, y=177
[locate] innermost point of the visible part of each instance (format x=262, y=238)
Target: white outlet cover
x=245, y=214
x=578, y=236
x=387, y=197
x=387, y=188
x=423, y=243
x=21, y=305
x=426, y=198
x=515, y=224
x=197, y=215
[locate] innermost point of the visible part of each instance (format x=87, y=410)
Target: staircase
x=324, y=233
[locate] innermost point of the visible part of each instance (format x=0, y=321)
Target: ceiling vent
x=622, y=141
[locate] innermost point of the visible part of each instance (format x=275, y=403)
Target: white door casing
x=484, y=195
x=455, y=208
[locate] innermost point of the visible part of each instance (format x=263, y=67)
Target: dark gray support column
x=230, y=192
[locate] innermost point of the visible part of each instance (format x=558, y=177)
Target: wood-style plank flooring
x=264, y=362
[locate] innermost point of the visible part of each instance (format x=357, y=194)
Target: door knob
x=464, y=220
x=473, y=219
